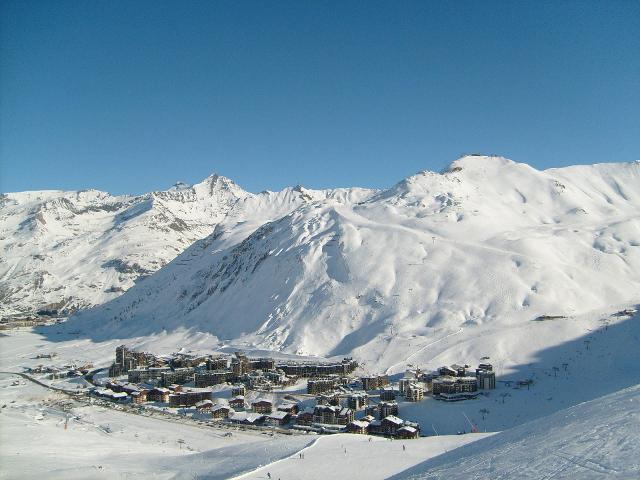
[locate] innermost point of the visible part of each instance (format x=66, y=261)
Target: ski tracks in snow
x=421, y=349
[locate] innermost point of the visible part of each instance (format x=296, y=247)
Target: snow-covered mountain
x=382, y=275
x=68, y=250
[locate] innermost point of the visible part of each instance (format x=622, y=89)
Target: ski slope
x=594, y=440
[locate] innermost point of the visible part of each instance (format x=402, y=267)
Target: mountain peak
x=476, y=160
x=216, y=184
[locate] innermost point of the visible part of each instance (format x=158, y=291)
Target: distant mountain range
x=332, y=272
x=63, y=251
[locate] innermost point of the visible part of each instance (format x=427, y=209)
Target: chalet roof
x=261, y=400
x=278, y=415
x=217, y=408
x=237, y=398
x=393, y=419
x=407, y=429
x=333, y=408
x=359, y=424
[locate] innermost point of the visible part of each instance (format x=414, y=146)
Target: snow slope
x=593, y=440
x=106, y=444
x=359, y=457
x=68, y=250
x=490, y=243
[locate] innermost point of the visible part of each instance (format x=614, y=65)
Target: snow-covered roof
x=393, y=419
x=360, y=423
x=278, y=415
x=217, y=408
x=408, y=429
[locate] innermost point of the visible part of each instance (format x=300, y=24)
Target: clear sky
x=132, y=96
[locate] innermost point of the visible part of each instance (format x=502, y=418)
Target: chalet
x=159, y=395
x=130, y=388
x=290, y=408
x=139, y=397
x=114, y=386
x=262, y=406
x=358, y=426
x=305, y=417
x=407, y=433
x=324, y=414
x=204, y=405
x=332, y=415
x=344, y=416
x=277, y=419
x=111, y=395
x=247, y=418
x=390, y=425
x=237, y=402
x=221, y=411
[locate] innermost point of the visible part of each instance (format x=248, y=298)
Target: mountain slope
x=597, y=439
x=68, y=250
x=489, y=242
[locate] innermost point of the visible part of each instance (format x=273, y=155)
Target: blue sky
x=132, y=96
